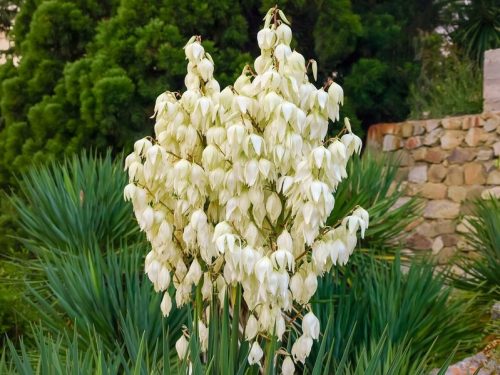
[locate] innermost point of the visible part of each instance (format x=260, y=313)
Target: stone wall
x=445, y=162
x=491, y=81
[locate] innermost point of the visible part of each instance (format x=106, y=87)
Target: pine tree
x=89, y=70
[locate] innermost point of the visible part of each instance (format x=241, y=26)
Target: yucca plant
x=86, y=264
x=377, y=319
x=373, y=184
x=482, y=274
x=374, y=299
x=96, y=290
x=63, y=354
x=106, y=291
x=379, y=357
x=75, y=204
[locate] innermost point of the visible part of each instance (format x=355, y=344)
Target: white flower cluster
x=238, y=184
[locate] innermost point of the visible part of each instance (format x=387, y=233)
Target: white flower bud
x=263, y=268
x=142, y=146
x=262, y=63
x=198, y=219
x=206, y=290
x=165, y=232
x=252, y=234
x=251, y=172
x=163, y=280
x=249, y=258
x=166, y=304
x=147, y=218
x=266, y=38
x=282, y=52
x=203, y=336
x=181, y=346
x=311, y=284
x=296, y=286
x=284, y=33
x=287, y=368
x=152, y=270
x=194, y=52
x=194, y=274
x=256, y=354
x=301, y=348
x=251, y=328
x=280, y=327
x=273, y=207
x=310, y=326
x=206, y=69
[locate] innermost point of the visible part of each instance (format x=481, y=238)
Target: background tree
x=474, y=26
x=90, y=69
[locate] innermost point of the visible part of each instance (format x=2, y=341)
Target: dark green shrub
x=482, y=272
x=75, y=204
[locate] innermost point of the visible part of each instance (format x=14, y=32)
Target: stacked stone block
x=444, y=162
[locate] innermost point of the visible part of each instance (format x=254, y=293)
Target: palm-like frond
x=104, y=290
x=74, y=204
x=477, y=26
x=370, y=299
x=482, y=273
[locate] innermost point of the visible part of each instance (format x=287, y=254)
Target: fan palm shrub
x=480, y=274
x=74, y=204
x=483, y=235
x=85, y=271
x=227, y=354
x=102, y=290
x=475, y=25
x=67, y=206
x=376, y=299
x=63, y=354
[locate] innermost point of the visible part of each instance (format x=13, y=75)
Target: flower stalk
x=235, y=190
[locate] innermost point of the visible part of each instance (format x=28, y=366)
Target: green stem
x=233, y=360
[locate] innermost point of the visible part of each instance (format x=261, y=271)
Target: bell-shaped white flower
x=251, y=328
x=273, y=207
x=181, y=346
x=301, y=348
x=255, y=354
x=203, y=336
x=284, y=33
x=194, y=52
x=194, y=274
x=152, y=270
x=163, y=279
x=287, y=367
x=310, y=284
x=263, y=268
x=283, y=259
x=336, y=93
x=310, y=326
x=166, y=304
x=266, y=38
x=206, y=69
